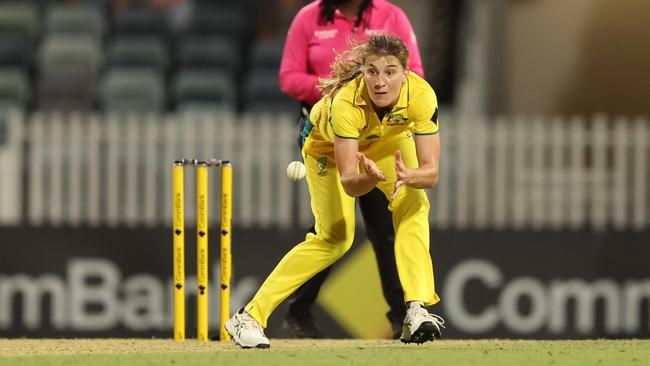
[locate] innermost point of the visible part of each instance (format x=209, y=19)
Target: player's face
x=384, y=76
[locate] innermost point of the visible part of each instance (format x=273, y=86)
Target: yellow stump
x=179, y=252
x=202, y=250
x=226, y=257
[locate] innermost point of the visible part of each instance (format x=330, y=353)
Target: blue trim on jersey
x=306, y=130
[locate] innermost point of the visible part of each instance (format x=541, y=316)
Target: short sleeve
x=425, y=113
x=346, y=119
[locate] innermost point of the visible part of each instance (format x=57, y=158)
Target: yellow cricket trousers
x=334, y=213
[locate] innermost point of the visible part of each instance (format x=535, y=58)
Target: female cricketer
x=376, y=126
x=320, y=30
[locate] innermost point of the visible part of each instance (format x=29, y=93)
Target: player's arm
x=348, y=158
x=425, y=175
x=427, y=143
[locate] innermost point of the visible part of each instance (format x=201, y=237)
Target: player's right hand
x=370, y=167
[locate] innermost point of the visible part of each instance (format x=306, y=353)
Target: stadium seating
x=198, y=89
x=18, y=30
x=142, y=21
x=138, y=51
x=209, y=52
x=81, y=54
x=14, y=87
x=229, y=20
x=132, y=90
x=75, y=52
x=19, y=18
x=79, y=19
x=266, y=55
x=262, y=94
x=66, y=90
x=261, y=88
x=15, y=51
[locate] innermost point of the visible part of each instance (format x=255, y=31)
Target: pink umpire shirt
x=308, y=50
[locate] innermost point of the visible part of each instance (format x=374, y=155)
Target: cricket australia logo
x=322, y=166
x=396, y=120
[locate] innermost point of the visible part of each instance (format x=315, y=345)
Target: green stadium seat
x=14, y=87
x=19, y=19
x=201, y=89
x=266, y=55
x=262, y=93
x=18, y=33
x=66, y=90
x=75, y=19
x=137, y=90
x=69, y=53
x=15, y=51
x=142, y=21
x=209, y=52
x=138, y=51
x=221, y=20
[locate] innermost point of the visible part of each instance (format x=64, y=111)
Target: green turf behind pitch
x=332, y=352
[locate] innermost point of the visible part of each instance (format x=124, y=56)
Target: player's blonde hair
x=350, y=64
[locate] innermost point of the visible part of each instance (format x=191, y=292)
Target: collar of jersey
x=339, y=14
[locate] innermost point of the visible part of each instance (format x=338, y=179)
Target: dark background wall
x=99, y=283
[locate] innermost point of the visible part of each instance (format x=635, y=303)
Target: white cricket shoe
x=420, y=326
x=246, y=332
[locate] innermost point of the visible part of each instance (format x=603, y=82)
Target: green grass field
x=135, y=352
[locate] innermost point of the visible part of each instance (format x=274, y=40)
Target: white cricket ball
x=296, y=171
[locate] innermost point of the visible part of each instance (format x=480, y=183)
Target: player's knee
x=340, y=238
x=337, y=245
x=342, y=246
x=341, y=241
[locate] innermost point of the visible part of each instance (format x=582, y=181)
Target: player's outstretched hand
x=370, y=167
x=401, y=172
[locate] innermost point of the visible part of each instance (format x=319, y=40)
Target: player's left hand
x=401, y=171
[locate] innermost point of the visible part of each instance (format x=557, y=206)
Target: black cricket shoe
x=302, y=327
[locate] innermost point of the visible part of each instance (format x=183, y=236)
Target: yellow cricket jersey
x=350, y=114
